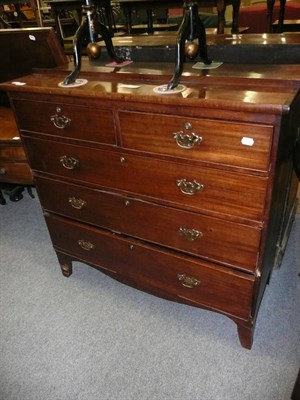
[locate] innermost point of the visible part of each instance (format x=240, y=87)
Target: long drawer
x=208, y=285
x=67, y=120
x=191, y=187
x=228, y=143
x=211, y=238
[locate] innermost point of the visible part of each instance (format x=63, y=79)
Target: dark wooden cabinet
x=21, y=51
x=189, y=197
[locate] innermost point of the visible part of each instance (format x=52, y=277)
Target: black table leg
x=89, y=30
x=191, y=28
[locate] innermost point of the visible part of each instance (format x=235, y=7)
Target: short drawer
x=228, y=143
x=153, y=268
x=192, y=187
x=67, y=120
x=15, y=173
x=12, y=153
x=211, y=238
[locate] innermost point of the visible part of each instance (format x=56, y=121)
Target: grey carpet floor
x=89, y=337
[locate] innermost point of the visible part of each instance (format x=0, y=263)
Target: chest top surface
x=140, y=88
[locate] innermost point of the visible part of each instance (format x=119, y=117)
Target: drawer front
x=211, y=238
x=217, y=288
x=187, y=186
x=12, y=153
x=67, y=121
x=15, y=173
x=228, y=143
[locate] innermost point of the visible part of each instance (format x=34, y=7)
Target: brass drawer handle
x=2, y=171
x=186, y=141
x=189, y=188
x=188, y=281
x=190, y=234
x=77, y=203
x=60, y=121
x=88, y=246
x=68, y=162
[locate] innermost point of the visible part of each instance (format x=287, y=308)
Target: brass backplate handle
x=77, y=203
x=60, y=121
x=190, y=234
x=185, y=140
x=88, y=246
x=188, y=281
x=68, y=162
x=189, y=188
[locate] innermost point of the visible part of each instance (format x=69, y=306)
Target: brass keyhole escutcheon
x=187, y=140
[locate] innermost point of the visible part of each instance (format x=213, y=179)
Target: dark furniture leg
x=77, y=43
x=2, y=199
x=150, y=28
x=270, y=6
x=245, y=332
x=128, y=17
x=235, y=16
x=296, y=390
x=89, y=30
x=191, y=28
x=14, y=192
x=65, y=264
x=281, y=16
x=221, y=7
x=29, y=190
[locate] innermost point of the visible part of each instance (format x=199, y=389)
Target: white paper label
x=128, y=86
x=247, y=141
x=18, y=83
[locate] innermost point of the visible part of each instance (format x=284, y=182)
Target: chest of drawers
x=189, y=197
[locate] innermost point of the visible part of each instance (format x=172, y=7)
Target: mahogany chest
x=188, y=196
